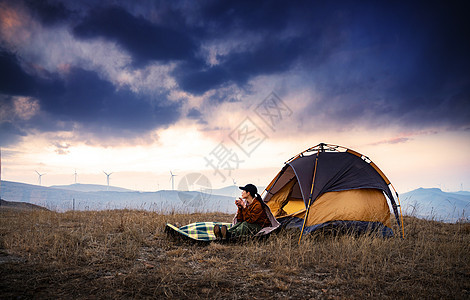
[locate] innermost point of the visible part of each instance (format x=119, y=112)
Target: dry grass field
x=126, y=254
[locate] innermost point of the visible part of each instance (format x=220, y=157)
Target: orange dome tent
x=332, y=186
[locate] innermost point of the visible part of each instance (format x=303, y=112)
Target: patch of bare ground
x=126, y=254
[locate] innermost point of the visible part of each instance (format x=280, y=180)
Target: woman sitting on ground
x=251, y=216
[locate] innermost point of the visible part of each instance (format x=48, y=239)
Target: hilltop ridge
x=429, y=203
x=85, y=187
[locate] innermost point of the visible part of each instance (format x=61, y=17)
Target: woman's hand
x=240, y=203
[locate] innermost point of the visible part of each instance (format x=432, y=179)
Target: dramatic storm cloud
x=143, y=39
x=82, y=97
x=124, y=69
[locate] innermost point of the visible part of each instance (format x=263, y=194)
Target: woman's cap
x=250, y=188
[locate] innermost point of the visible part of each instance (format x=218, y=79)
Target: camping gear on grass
x=329, y=186
x=199, y=231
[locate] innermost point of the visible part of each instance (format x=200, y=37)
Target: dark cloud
x=10, y=134
x=13, y=79
x=373, y=63
x=83, y=98
x=49, y=12
x=61, y=148
x=194, y=113
x=94, y=102
x=267, y=17
x=223, y=16
x=238, y=68
x=403, y=64
x=144, y=40
x=289, y=31
x=227, y=95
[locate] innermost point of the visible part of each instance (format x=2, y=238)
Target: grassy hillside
x=126, y=254
x=11, y=205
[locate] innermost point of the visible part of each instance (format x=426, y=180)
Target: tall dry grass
x=126, y=254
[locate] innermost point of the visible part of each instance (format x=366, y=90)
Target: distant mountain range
x=424, y=203
x=96, y=197
x=232, y=191
x=228, y=191
x=78, y=187
x=462, y=193
x=437, y=205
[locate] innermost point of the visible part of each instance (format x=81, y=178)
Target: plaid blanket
x=200, y=231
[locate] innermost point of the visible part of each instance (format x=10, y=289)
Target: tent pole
x=401, y=214
x=275, y=181
x=310, y=198
x=401, y=219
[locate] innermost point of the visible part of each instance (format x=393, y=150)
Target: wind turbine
x=39, y=176
x=107, y=179
x=235, y=185
x=172, y=180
